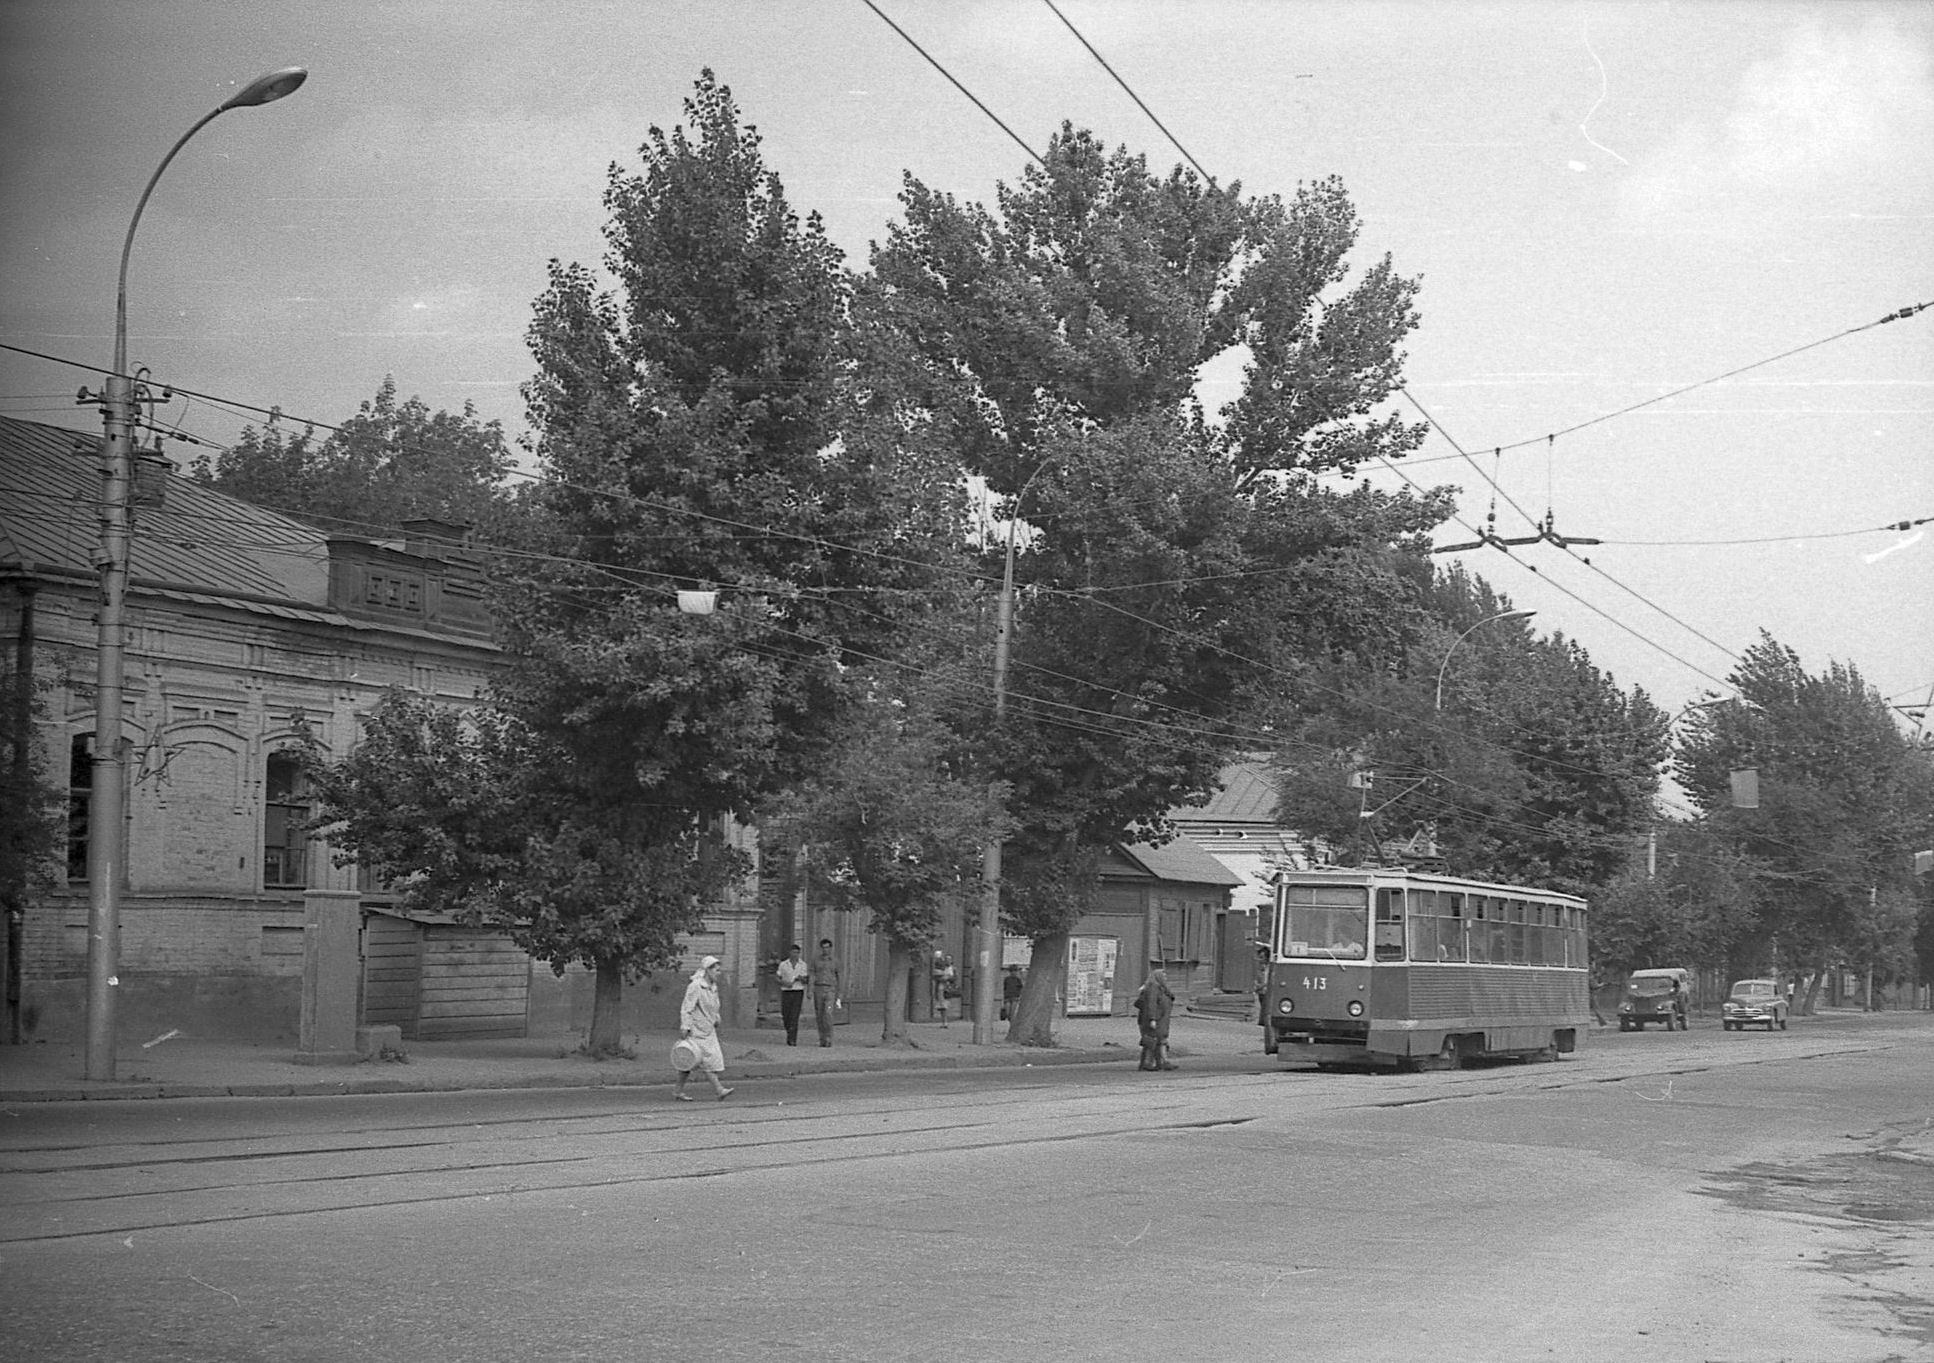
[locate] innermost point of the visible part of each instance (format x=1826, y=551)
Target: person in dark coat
x=1153, y=1004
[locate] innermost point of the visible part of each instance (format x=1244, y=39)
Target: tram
x=1394, y=968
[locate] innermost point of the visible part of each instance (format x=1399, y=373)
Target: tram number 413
x=1316, y=981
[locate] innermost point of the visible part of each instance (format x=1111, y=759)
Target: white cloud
x=1838, y=110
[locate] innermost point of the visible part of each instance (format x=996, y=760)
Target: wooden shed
x=440, y=980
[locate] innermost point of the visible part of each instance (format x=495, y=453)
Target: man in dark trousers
x=793, y=973
x=825, y=978
x=1011, y=985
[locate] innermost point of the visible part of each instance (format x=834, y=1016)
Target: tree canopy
x=1844, y=801
x=1171, y=562
x=391, y=462
x=1519, y=759
x=691, y=432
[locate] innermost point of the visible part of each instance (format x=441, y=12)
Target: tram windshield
x=1327, y=921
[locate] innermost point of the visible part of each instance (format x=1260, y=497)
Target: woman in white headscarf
x=698, y=1023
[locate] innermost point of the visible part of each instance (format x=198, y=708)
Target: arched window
x=285, y=820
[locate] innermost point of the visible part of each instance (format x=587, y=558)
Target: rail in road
x=158, y=1174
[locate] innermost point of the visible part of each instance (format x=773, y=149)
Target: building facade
x=245, y=629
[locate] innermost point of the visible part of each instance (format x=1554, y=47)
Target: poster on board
x=1091, y=975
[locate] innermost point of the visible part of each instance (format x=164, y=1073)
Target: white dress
x=699, y=1015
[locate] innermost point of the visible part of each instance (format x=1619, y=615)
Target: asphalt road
x=1682, y=1196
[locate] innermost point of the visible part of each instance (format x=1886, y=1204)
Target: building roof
x=1247, y=795
x=1179, y=860
x=199, y=542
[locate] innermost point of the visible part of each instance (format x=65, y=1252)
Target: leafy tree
x=692, y=434
x=1525, y=762
x=465, y=812
x=894, y=824
x=1173, y=563
x=389, y=463
x=32, y=833
x=1843, y=801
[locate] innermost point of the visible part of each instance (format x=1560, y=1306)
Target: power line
x=1131, y=94
x=1559, y=539
x=955, y=83
x=1896, y=316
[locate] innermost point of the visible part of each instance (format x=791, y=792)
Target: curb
x=1018, y=1057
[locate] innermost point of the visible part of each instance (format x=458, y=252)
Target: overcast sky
x=1605, y=202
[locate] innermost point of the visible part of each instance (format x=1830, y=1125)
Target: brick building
x=242, y=625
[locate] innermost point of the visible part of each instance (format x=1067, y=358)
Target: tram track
x=113, y=1189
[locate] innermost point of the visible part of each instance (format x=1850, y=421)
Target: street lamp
x=1487, y=620
x=106, y=849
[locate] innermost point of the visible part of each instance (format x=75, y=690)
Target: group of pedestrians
x=698, y=1049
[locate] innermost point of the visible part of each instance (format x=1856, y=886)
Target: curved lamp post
x=1487, y=620
x=106, y=843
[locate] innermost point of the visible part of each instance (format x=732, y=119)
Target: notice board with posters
x=1091, y=975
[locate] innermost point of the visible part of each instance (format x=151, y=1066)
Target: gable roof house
x=242, y=624
x=1238, y=828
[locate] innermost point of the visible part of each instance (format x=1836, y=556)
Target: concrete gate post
x=331, y=977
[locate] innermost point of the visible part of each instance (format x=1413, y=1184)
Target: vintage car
x=1761, y=1001
x=1655, y=996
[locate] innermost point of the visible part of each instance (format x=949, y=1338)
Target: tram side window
x=1390, y=925
x=1477, y=928
x=1450, y=927
x=1423, y=938
x=1514, y=944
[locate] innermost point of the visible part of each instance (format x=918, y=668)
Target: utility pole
x=107, y=799
x=987, y=957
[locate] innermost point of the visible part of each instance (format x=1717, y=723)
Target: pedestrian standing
x=826, y=997
x=943, y=981
x=698, y=1023
x=793, y=975
x=1010, y=993
x=1153, y=1004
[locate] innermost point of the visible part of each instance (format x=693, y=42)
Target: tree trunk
x=899, y=960
x=606, y=1004
x=1813, y=991
x=1043, y=994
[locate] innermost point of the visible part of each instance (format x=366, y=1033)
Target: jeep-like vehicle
x=1655, y=996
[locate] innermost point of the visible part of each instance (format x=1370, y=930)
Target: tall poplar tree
x=1175, y=566
x=701, y=437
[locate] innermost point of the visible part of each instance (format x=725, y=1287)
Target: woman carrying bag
x=698, y=1032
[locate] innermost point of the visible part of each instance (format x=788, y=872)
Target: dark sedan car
x=1755, y=1001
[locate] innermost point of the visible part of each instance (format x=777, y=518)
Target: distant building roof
x=1179, y=860
x=1247, y=796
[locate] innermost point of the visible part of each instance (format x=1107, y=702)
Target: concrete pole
x=107, y=797
x=987, y=959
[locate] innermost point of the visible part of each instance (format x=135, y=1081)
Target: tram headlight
x=1285, y=1006
x=1356, y=1008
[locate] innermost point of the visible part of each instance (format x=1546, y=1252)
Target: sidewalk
x=193, y=1067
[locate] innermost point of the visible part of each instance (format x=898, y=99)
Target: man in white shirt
x=793, y=974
